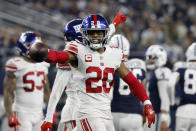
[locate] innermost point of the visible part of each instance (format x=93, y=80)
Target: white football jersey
x=95, y=78
x=69, y=110
x=30, y=80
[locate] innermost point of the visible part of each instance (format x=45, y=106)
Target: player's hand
x=46, y=126
x=119, y=18
x=149, y=112
x=13, y=121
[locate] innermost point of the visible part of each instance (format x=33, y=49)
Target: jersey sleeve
x=163, y=73
x=11, y=65
x=72, y=47
x=61, y=81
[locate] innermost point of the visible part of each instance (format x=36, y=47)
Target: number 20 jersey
x=29, y=87
x=95, y=78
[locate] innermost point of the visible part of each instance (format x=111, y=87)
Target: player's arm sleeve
x=69, y=54
x=174, y=78
x=163, y=93
x=163, y=89
x=135, y=86
x=111, y=31
x=61, y=80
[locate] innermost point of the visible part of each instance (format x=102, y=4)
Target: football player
x=64, y=81
x=96, y=63
x=26, y=87
x=186, y=78
x=64, y=73
x=156, y=57
x=126, y=108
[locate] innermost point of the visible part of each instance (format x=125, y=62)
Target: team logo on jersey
x=88, y=58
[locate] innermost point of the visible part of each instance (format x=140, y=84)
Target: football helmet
x=25, y=40
x=156, y=56
x=191, y=52
x=72, y=30
x=120, y=41
x=91, y=24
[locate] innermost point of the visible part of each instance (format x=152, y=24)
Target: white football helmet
x=191, y=52
x=159, y=56
x=120, y=41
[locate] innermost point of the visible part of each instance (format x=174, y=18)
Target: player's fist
x=149, y=112
x=119, y=18
x=46, y=126
x=38, y=52
x=13, y=121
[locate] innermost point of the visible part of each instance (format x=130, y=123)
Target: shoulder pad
x=163, y=73
x=12, y=64
x=72, y=46
x=136, y=63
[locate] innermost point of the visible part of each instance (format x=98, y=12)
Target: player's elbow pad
x=136, y=87
x=57, y=57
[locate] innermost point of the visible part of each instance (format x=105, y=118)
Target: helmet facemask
x=95, y=39
x=156, y=56
x=151, y=62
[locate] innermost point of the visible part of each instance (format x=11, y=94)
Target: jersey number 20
x=100, y=75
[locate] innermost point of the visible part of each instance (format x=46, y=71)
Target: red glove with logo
x=13, y=121
x=46, y=125
x=119, y=18
x=149, y=112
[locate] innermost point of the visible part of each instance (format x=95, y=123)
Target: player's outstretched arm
x=138, y=90
x=37, y=50
x=9, y=87
x=58, y=87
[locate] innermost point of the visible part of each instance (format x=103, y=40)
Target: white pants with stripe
x=29, y=121
x=95, y=124
x=67, y=126
x=127, y=122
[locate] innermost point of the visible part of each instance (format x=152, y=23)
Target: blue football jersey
x=123, y=100
x=159, y=74
x=187, y=84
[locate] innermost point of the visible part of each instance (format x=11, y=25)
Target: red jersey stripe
x=72, y=49
x=11, y=67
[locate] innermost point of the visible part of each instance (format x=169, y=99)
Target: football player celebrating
x=25, y=87
x=126, y=108
x=64, y=73
x=186, y=78
x=96, y=63
x=156, y=57
x=65, y=81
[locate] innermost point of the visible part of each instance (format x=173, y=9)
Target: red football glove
x=13, y=121
x=46, y=125
x=149, y=112
x=119, y=18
